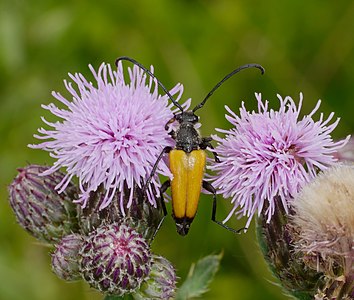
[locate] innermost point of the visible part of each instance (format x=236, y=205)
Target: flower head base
x=140, y=215
x=115, y=259
x=111, y=134
x=275, y=240
x=269, y=155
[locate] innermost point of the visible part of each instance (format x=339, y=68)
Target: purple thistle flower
x=110, y=134
x=270, y=154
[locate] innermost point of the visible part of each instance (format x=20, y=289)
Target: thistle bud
x=276, y=243
x=161, y=283
x=39, y=208
x=324, y=226
x=140, y=214
x=65, y=260
x=115, y=259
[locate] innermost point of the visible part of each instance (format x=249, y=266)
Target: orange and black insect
x=187, y=159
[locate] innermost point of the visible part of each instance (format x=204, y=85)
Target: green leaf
x=200, y=276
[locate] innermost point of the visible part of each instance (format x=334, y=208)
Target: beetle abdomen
x=187, y=170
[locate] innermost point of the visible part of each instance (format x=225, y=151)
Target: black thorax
x=187, y=137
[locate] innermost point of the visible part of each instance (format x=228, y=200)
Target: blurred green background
x=304, y=45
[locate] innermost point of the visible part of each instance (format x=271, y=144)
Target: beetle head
x=186, y=116
x=182, y=225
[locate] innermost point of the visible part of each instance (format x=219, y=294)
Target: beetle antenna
x=147, y=71
x=201, y=104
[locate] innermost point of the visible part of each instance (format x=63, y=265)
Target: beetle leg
x=153, y=171
x=211, y=189
x=172, y=134
x=206, y=143
x=163, y=189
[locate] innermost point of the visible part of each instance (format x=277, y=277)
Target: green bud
x=39, y=208
x=65, y=260
x=161, y=283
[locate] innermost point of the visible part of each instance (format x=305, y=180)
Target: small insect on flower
x=187, y=158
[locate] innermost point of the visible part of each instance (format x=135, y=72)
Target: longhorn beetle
x=187, y=159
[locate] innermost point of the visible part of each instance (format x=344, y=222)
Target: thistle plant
x=110, y=134
x=108, y=250
x=274, y=165
x=101, y=228
x=267, y=159
x=268, y=155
